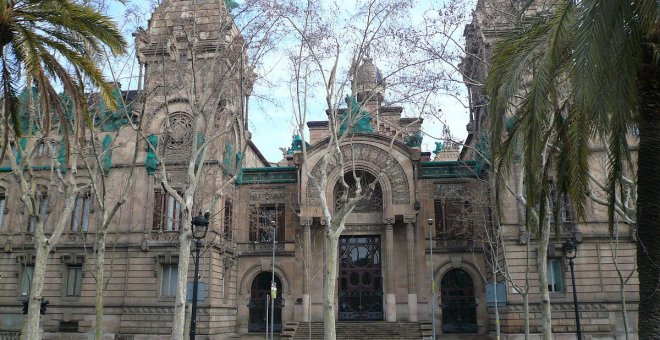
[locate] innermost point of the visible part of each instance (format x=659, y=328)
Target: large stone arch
x=252, y=272
x=465, y=264
x=371, y=158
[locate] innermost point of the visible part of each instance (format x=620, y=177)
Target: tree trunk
x=32, y=330
x=648, y=200
x=178, y=326
x=497, y=312
x=542, y=260
x=329, y=285
x=526, y=313
x=622, y=295
x=100, y=278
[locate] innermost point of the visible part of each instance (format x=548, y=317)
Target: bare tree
x=35, y=182
x=202, y=73
x=322, y=64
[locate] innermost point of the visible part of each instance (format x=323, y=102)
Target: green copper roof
x=449, y=169
x=284, y=174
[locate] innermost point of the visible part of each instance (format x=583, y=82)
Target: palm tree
x=594, y=75
x=39, y=41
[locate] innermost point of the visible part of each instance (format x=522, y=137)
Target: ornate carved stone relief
x=178, y=139
x=364, y=228
x=176, y=176
x=272, y=196
x=381, y=159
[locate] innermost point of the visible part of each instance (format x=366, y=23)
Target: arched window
x=371, y=203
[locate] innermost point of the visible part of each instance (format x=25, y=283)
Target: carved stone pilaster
x=412, y=288
x=307, y=250
x=410, y=244
x=390, y=299
x=306, y=224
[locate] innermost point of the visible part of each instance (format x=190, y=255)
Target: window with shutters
x=452, y=219
x=41, y=207
x=26, y=281
x=260, y=223
x=82, y=209
x=564, y=219
x=555, y=275
x=74, y=280
x=168, y=280
x=167, y=212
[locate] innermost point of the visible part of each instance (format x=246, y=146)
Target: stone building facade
x=417, y=247
x=600, y=259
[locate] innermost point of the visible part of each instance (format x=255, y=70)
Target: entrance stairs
x=367, y=330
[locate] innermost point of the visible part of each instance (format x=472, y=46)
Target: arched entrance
x=259, y=301
x=459, y=309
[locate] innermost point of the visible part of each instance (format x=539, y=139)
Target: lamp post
x=430, y=221
x=200, y=225
x=570, y=252
x=273, y=287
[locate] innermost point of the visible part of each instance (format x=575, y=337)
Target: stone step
x=360, y=330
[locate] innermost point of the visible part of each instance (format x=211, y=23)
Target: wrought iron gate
x=259, y=302
x=459, y=310
x=360, y=278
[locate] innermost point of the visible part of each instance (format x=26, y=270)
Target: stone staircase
x=374, y=330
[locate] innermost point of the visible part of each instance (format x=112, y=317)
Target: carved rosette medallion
x=381, y=159
x=165, y=236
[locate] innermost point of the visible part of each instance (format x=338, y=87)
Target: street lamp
x=430, y=222
x=200, y=225
x=273, y=286
x=570, y=252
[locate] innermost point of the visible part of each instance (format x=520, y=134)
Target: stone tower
x=195, y=73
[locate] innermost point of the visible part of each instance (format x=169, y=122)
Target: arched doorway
x=259, y=301
x=459, y=309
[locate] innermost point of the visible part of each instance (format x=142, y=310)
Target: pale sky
x=272, y=122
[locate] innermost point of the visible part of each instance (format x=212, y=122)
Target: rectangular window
x=74, y=281
x=228, y=212
x=564, y=205
x=555, y=275
x=28, y=272
x=260, y=223
x=42, y=208
x=42, y=149
x=81, y=211
x=168, y=280
x=453, y=220
x=167, y=212
x=3, y=205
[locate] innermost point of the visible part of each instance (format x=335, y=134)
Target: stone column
x=412, y=288
x=307, y=266
x=390, y=297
